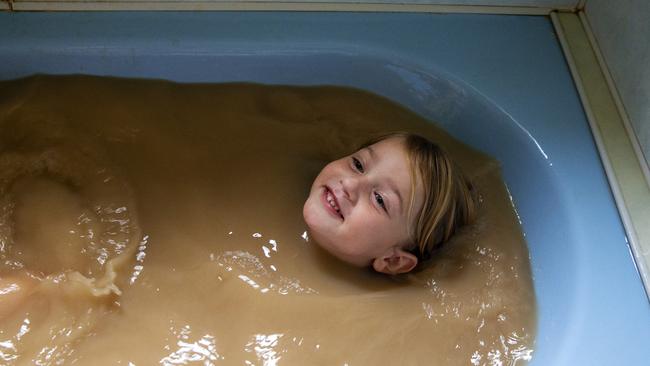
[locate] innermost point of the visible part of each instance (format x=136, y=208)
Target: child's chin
x=309, y=214
x=314, y=217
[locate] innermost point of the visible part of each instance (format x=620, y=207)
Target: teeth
x=332, y=202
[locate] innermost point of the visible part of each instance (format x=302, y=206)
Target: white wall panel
x=622, y=30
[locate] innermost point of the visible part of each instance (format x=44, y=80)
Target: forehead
x=390, y=151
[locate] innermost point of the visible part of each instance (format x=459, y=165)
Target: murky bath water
x=147, y=222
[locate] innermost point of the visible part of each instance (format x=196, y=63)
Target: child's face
x=358, y=205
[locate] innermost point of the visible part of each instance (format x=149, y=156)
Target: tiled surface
x=623, y=30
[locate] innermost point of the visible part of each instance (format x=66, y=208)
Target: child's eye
x=357, y=165
x=380, y=201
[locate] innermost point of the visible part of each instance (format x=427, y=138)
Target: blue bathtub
x=498, y=83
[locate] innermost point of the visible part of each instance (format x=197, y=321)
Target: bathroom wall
x=622, y=30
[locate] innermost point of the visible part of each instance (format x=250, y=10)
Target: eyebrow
x=391, y=184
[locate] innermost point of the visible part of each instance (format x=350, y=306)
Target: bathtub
x=498, y=83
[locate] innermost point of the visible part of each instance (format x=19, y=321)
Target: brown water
x=146, y=222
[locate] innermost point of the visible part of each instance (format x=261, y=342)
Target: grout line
x=634, y=244
x=272, y=6
x=617, y=97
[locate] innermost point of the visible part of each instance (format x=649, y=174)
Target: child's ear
x=395, y=261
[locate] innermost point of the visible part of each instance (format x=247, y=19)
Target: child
x=389, y=205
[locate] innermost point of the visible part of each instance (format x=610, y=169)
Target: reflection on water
x=257, y=276
x=264, y=347
x=202, y=351
x=145, y=222
x=139, y=259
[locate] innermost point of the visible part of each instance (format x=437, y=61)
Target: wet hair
x=448, y=202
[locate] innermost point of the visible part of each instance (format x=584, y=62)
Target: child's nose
x=351, y=187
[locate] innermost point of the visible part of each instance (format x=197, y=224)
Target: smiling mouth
x=331, y=203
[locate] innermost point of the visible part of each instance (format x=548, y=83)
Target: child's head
x=388, y=205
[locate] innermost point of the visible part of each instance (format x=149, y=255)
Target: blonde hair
x=448, y=198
